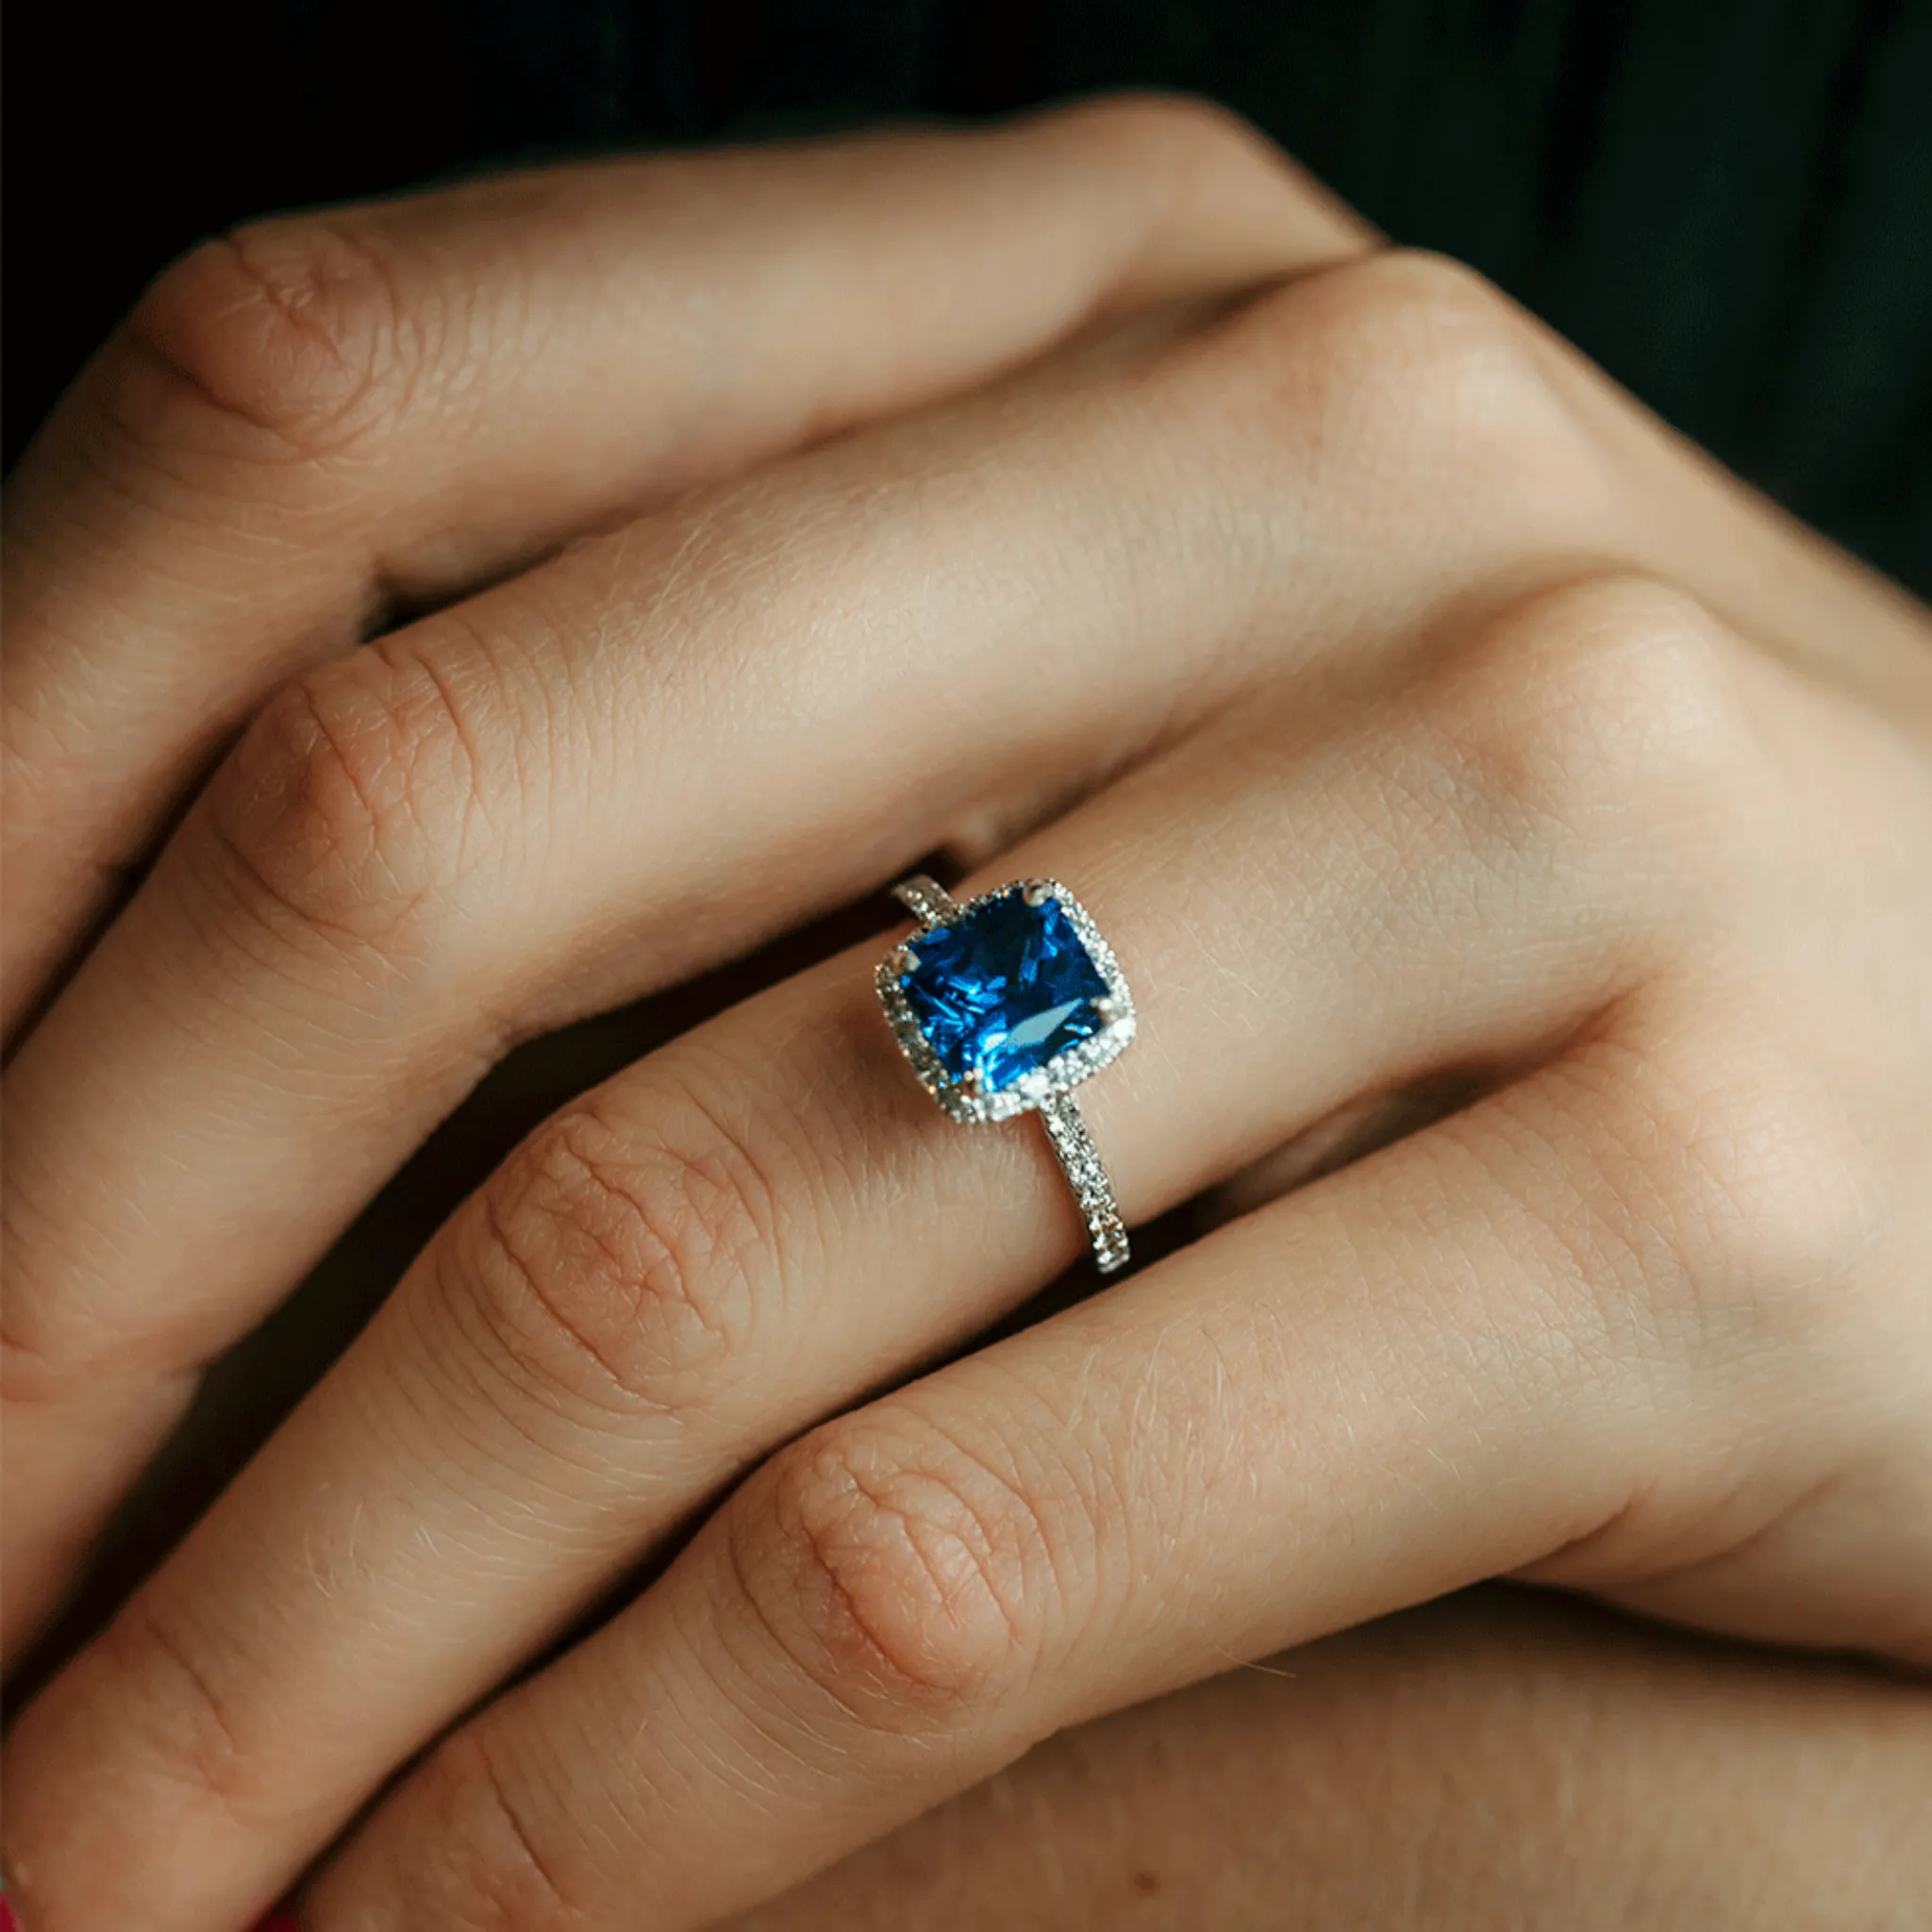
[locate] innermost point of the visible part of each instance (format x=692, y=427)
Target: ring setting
x=1003, y=1004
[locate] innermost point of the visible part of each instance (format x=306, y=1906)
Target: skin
x=1493, y=1759
x=1092, y=499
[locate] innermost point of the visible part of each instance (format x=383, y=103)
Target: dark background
x=1727, y=202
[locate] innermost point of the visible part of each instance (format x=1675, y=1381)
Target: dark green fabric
x=1728, y=202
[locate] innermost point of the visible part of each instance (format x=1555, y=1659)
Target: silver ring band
x=1067, y=1135
x=928, y=901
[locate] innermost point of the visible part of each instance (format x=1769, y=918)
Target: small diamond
x=1004, y=990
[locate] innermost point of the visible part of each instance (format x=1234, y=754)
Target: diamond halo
x=972, y=1101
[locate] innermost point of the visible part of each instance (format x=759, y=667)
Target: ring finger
x=768, y=1217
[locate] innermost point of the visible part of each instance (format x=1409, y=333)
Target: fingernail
x=7, y=1921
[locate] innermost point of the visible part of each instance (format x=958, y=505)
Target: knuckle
x=1723, y=1203
x=617, y=1270
x=488, y=1872
x=904, y=1578
x=1457, y=346
x=296, y=328
x=1604, y=711
x=172, y=1688
x=1409, y=384
x=343, y=810
x=1171, y=133
x=1753, y=1167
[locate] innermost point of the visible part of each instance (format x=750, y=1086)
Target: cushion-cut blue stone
x=1004, y=990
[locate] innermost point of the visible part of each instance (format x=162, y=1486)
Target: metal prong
x=1106, y=1009
x=1037, y=891
x=905, y=961
x=970, y=1086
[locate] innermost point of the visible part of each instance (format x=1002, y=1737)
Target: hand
x=1404, y=703
x=1500, y=1757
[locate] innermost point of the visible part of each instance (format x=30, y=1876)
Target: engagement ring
x=1003, y=1005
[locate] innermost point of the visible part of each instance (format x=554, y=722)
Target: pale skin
x=1097, y=500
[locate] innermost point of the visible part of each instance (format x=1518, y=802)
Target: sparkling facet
x=1003, y=990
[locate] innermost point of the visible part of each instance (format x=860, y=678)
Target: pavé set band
x=1003, y=1005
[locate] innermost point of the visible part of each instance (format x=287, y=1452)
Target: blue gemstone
x=1004, y=990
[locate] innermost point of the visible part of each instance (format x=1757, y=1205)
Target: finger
x=1400, y=1775
x=324, y=1040
x=1442, y=1363
x=322, y=416
x=769, y=1217
x=532, y=806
